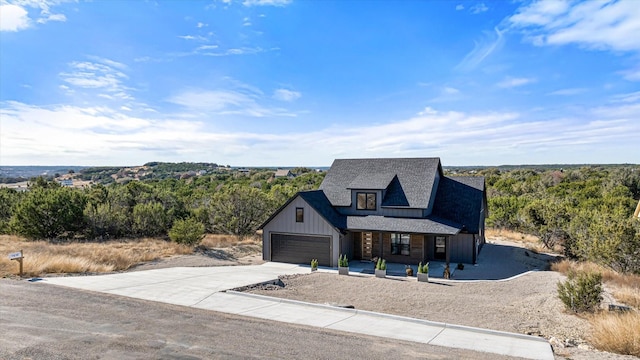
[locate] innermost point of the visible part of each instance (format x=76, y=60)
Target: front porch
x=436, y=268
x=409, y=249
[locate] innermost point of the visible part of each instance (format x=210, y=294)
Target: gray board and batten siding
x=313, y=228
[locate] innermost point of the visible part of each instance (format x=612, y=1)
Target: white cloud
x=600, y=25
x=459, y=7
x=569, y=91
x=193, y=37
x=52, y=17
x=491, y=41
x=106, y=136
x=511, y=82
x=286, y=95
x=266, y=2
x=14, y=15
x=240, y=100
x=201, y=25
x=631, y=74
x=13, y=18
x=478, y=8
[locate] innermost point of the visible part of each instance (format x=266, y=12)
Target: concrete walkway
x=209, y=288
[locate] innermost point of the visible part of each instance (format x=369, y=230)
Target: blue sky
x=279, y=82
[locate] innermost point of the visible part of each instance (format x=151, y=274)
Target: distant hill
x=13, y=174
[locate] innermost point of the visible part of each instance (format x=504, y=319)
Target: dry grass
x=619, y=333
x=42, y=257
x=530, y=242
x=608, y=275
x=212, y=241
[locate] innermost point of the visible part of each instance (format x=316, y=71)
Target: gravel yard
x=527, y=304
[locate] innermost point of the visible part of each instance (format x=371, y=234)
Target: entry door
x=367, y=245
x=440, y=251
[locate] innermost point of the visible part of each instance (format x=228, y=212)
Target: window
x=299, y=214
x=366, y=201
x=400, y=244
x=441, y=248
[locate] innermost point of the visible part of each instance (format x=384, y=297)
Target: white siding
x=313, y=224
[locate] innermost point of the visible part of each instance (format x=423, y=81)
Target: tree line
x=587, y=210
x=232, y=203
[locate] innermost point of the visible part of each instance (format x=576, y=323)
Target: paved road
x=39, y=321
x=202, y=288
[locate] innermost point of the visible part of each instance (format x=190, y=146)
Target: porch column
x=381, y=245
x=447, y=247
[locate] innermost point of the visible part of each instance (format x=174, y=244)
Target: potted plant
x=423, y=272
x=381, y=268
x=408, y=270
x=314, y=264
x=343, y=265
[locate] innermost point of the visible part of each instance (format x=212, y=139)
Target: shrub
x=383, y=265
x=582, y=292
x=420, y=268
x=188, y=232
x=343, y=261
x=425, y=268
x=314, y=264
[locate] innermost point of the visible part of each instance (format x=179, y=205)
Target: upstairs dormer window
x=366, y=201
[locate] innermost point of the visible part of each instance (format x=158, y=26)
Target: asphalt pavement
x=210, y=288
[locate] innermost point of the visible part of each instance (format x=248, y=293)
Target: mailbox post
x=18, y=257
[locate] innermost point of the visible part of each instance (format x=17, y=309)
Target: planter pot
x=343, y=270
x=423, y=277
x=314, y=269
x=381, y=273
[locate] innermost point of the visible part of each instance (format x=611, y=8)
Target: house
x=403, y=210
x=283, y=173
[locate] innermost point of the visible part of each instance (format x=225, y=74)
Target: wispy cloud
x=286, y=95
x=459, y=7
x=569, y=91
x=490, y=42
x=511, y=82
x=478, y=8
x=600, y=25
x=631, y=74
x=266, y=2
x=111, y=135
x=193, y=37
x=236, y=98
x=105, y=76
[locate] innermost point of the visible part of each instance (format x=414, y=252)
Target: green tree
x=49, y=212
x=149, y=219
x=239, y=210
x=189, y=231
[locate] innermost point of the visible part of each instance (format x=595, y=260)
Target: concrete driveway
x=206, y=288
x=186, y=286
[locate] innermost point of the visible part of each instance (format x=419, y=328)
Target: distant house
x=283, y=173
x=66, y=182
x=403, y=210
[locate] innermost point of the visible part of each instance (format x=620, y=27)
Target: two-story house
x=403, y=210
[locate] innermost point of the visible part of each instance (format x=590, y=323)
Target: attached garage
x=300, y=248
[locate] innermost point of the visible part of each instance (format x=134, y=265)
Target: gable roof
x=415, y=178
x=282, y=173
x=319, y=202
x=460, y=199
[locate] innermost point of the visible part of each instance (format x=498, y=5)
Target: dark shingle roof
x=319, y=202
x=460, y=199
x=415, y=177
x=382, y=223
x=372, y=181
